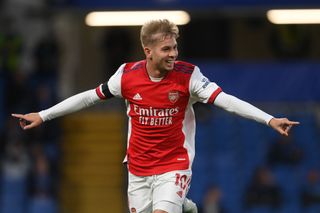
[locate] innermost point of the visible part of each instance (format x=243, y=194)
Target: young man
x=159, y=93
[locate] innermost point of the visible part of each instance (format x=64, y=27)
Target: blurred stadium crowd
x=28, y=76
x=249, y=168
x=240, y=166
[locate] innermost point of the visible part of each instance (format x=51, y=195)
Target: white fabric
x=200, y=86
x=189, y=130
x=72, y=104
x=167, y=206
x=200, y=89
x=114, y=83
x=148, y=193
x=242, y=108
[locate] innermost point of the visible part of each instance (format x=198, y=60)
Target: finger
x=287, y=128
x=293, y=122
x=30, y=126
x=18, y=116
x=282, y=132
x=22, y=123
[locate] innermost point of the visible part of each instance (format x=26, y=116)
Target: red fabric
x=157, y=110
x=100, y=93
x=214, y=95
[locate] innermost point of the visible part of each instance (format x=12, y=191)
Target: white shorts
x=158, y=192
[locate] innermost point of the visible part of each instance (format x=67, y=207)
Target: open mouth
x=170, y=62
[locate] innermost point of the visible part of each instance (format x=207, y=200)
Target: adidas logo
x=137, y=97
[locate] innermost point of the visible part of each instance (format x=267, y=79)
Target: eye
x=165, y=48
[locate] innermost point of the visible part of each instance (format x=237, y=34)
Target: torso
x=156, y=111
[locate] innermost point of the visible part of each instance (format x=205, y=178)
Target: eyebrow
x=166, y=47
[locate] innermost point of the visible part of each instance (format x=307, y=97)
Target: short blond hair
x=151, y=30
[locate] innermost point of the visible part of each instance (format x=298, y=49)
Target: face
x=162, y=54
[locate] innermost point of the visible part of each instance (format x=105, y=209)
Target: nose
x=173, y=53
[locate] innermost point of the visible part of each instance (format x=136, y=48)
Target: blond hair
x=157, y=30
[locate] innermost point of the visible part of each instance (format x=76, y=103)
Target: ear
x=147, y=52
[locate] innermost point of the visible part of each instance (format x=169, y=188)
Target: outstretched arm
x=70, y=105
x=244, y=109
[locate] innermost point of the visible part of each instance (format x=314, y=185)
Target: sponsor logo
x=206, y=82
x=173, y=96
x=154, y=111
x=155, y=116
x=137, y=97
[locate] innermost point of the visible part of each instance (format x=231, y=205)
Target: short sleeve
x=202, y=89
x=114, y=83
x=112, y=87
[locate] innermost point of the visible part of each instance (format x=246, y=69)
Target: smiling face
x=158, y=39
x=162, y=54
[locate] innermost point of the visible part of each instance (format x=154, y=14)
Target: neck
x=154, y=72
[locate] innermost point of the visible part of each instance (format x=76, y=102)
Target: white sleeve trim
x=242, y=108
x=70, y=105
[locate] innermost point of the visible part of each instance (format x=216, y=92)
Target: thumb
x=282, y=132
x=30, y=126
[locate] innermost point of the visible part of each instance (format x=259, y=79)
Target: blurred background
x=73, y=164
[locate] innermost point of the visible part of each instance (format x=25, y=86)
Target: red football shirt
x=162, y=126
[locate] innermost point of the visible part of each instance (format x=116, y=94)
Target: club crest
x=173, y=96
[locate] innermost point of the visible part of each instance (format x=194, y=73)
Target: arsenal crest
x=173, y=96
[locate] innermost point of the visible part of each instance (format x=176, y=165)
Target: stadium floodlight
x=134, y=18
x=294, y=16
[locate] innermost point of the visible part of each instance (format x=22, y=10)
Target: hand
x=28, y=121
x=282, y=125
